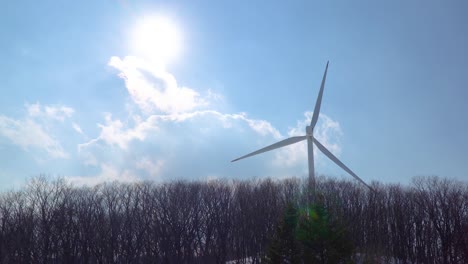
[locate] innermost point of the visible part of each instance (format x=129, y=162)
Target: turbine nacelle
x=309, y=131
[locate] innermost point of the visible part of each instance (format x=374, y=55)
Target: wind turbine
x=310, y=144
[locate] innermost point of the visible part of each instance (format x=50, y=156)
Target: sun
x=157, y=38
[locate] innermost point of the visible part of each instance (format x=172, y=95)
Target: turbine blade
x=280, y=144
x=319, y=100
x=339, y=163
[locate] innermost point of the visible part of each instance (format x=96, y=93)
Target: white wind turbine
x=310, y=144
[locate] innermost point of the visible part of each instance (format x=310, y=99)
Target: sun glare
x=157, y=38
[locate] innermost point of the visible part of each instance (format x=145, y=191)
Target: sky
x=108, y=90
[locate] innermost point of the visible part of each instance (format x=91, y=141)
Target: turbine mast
x=310, y=154
x=310, y=138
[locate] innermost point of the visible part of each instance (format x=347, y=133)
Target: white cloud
x=199, y=141
x=215, y=96
x=77, y=128
x=115, y=133
x=152, y=88
x=153, y=168
x=263, y=127
x=57, y=112
x=327, y=131
x=88, y=157
x=34, y=109
x=108, y=173
x=29, y=134
x=180, y=138
x=33, y=132
x=166, y=146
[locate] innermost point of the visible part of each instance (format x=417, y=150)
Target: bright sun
x=157, y=38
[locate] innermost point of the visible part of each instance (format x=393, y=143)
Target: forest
x=235, y=221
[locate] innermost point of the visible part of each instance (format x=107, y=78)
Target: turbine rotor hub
x=309, y=130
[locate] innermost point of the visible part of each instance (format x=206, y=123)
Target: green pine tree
x=309, y=236
x=284, y=247
x=323, y=240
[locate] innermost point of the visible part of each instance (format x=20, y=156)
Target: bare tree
x=50, y=221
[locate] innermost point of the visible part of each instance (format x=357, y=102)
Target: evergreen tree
x=323, y=239
x=284, y=247
x=309, y=236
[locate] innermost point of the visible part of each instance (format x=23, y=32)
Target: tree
x=51, y=221
x=285, y=248
x=309, y=235
x=323, y=239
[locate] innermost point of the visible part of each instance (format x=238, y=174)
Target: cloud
x=30, y=135
x=263, y=127
x=202, y=143
x=34, y=109
x=153, y=168
x=77, y=128
x=34, y=131
x=115, y=133
x=57, y=112
x=327, y=131
x=109, y=173
x=152, y=88
x=170, y=135
x=215, y=96
x=171, y=146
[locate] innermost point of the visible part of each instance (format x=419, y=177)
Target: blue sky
x=79, y=100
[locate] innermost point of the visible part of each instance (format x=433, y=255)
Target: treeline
x=220, y=221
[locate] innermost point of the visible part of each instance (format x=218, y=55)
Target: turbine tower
x=310, y=145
